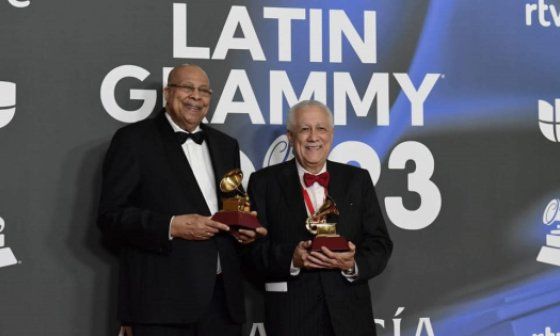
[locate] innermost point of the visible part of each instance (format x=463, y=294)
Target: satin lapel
x=290, y=185
x=218, y=166
x=179, y=164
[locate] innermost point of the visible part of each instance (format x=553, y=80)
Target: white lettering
x=419, y=182
x=541, y=8
x=542, y=12
x=180, y=45
x=397, y=322
x=280, y=87
x=380, y=322
x=344, y=87
x=109, y=101
x=238, y=79
x=19, y=4
x=315, y=35
x=340, y=24
x=280, y=90
x=555, y=15
x=529, y=10
x=342, y=32
x=284, y=17
x=417, y=97
x=239, y=17
x=361, y=153
x=425, y=323
x=258, y=330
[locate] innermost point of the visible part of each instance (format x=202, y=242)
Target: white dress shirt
x=198, y=157
x=317, y=194
x=315, y=191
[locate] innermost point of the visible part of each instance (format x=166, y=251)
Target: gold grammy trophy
x=325, y=232
x=236, y=209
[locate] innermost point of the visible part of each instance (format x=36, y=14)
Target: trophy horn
x=232, y=181
x=328, y=208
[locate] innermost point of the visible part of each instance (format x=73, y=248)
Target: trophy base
x=239, y=219
x=7, y=257
x=549, y=255
x=333, y=243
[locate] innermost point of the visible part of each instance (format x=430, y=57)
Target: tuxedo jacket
x=291, y=306
x=146, y=180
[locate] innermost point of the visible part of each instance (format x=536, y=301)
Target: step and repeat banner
x=453, y=106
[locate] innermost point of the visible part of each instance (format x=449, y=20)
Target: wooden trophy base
x=333, y=243
x=238, y=219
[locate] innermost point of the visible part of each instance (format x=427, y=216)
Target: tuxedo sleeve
x=272, y=259
x=121, y=216
x=375, y=247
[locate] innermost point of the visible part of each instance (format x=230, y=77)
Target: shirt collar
x=302, y=171
x=176, y=127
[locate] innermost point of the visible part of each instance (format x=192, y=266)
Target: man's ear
x=290, y=137
x=166, y=93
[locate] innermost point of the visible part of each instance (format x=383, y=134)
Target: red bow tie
x=322, y=179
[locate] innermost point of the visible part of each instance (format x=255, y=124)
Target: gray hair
x=290, y=120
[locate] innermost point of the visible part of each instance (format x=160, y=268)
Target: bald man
x=179, y=270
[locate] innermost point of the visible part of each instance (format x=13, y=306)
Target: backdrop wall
x=453, y=106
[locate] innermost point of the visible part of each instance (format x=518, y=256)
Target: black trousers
x=314, y=320
x=216, y=321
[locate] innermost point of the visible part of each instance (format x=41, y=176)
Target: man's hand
x=303, y=259
x=335, y=260
x=195, y=227
x=244, y=236
x=125, y=331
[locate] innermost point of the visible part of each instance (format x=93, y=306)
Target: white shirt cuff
x=353, y=276
x=294, y=271
x=169, y=231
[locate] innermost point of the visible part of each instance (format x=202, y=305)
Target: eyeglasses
x=188, y=89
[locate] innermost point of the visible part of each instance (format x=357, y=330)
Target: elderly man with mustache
x=179, y=269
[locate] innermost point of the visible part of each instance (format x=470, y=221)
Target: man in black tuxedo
x=179, y=269
x=317, y=293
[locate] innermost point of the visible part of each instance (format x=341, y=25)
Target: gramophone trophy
x=325, y=232
x=236, y=209
x=550, y=253
x=7, y=257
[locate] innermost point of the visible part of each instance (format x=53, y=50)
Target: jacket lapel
x=179, y=164
x=337, y=189
x=215, y=147
x=290, y=185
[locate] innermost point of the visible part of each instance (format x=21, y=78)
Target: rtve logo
x=7, y=102
x=543, y=12
x=549, y=120
x=19, y=3
x=548, y=332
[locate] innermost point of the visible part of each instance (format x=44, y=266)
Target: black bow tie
x=197, y=137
